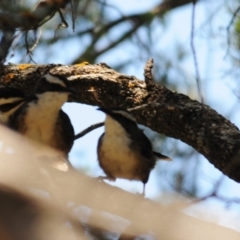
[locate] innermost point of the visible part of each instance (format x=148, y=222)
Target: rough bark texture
x=164, y=111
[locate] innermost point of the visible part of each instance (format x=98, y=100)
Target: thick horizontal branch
x=167, y=112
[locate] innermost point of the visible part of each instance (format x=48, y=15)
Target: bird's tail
x=161, y=157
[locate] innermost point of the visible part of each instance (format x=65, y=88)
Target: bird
x=123, y=150
x=10, y=100
x=41, y=118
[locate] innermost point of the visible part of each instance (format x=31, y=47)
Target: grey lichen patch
x=229, y=134
x=61, y=70
x=92, y=76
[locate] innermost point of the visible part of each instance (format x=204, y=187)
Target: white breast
x=119, y=159
x=41, y=116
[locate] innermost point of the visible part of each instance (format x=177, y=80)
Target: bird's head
x=122, y=117
x=55, y=83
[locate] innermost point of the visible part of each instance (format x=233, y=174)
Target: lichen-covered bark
x=167, y=112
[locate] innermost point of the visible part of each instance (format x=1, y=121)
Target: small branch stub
x=89, y=129
x=148, y=74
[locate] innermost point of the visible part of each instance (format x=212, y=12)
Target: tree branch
x=89, y=129
x=166, y=112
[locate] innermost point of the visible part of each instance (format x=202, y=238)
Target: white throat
x=51, y=101
x=113, y=127
x=41, y=116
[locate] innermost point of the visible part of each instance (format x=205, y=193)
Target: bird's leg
x=143, y=193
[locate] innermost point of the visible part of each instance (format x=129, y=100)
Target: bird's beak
x=103, y=110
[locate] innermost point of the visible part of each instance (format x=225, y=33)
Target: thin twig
x=194, y=53
x=89, y=129
x=36, y=41
x=155, y=104
x=73, y=15
x=29, y=53
x=214, y=192
x=228, y=29
x=63, y=24
x=148, y=73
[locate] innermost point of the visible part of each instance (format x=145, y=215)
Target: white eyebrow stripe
x=125, y=114
x=9, y=100
x=51, y=79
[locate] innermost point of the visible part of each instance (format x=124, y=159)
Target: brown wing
x=66, y=132
x=143, y=144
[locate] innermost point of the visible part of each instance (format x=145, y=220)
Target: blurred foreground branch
x=45, y=198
